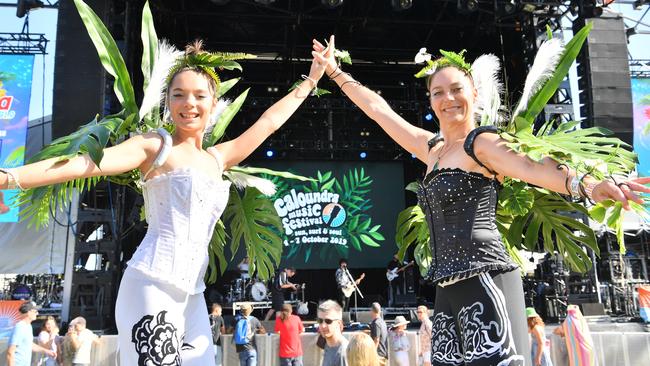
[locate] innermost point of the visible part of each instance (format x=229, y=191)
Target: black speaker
x=79, y=79
x=370, y=298
x=406, y=299
x=605, y=86
x=590, y=308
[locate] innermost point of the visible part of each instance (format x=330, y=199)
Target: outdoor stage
x=616, y=344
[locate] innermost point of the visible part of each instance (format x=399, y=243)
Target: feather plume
x=242, y=180
x=544, y=64
x=154, y=95
x=221, y=106
x=485, y=72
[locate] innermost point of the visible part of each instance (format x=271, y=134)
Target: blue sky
x=44, y=21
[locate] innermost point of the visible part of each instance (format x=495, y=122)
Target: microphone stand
x=356, y=289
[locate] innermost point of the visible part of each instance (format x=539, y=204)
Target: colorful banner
x=641, y=110
x=15, y=94
x=644, y=302
x=9, y=316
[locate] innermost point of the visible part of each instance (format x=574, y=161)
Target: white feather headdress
x=486, y=74
x=543, y=67
x=154, y=94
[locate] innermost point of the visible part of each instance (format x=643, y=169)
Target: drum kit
x=248, y=289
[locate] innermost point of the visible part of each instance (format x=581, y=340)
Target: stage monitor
x=349, y=211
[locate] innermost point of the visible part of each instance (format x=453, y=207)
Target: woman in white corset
x=160, y=312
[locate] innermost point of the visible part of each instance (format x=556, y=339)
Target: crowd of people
x=72, y=349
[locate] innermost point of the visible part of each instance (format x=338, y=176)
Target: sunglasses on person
x=326, y=321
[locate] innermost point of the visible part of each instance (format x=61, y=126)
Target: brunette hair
x=193, y=49
x=285, y=312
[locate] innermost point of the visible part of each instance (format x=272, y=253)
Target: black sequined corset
x=460, y=209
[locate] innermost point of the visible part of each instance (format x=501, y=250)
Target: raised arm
x=238, y=149
x=130, y=154
x=496, y=155
x=411, y=138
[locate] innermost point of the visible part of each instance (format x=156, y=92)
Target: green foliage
x=449, y=58
x=224, y=119
x=253, y=220
x=316, y=92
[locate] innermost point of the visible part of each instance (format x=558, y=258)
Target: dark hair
x=292, y=269
x=192, y=49
x=343, y=260
x=49, y=317
x=285, y=312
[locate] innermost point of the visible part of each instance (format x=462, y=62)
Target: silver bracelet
x=12, y=179
x=574, y=187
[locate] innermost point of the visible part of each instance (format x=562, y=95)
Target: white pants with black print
x=159, y=325
x=481, y=321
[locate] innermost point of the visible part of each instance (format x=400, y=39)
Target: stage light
x=332, y=3
x=428, y=117
x=363, y=155
x=467, y=6
x=400, y=5
x=629, y=33
x=510, y=7
x=270, y=153
x=24, y=6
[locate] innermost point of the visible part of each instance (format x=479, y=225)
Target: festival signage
x=15, y=94
x=340, y=214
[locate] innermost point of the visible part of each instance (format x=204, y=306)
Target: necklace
x=442, y=153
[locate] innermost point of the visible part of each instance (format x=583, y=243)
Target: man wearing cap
x=330, y=325
x=21, y=343
x=379, y=333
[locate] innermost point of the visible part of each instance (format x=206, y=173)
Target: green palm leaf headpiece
x=208, y=62
x=448, y=58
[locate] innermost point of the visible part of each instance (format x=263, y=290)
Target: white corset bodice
x=182, y=208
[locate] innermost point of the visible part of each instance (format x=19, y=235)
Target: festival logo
x=326, y=217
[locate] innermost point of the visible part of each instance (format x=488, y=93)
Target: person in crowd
x=218, y=327
x=21, y=343
x=330, y=323
x=539, y=348
x=465, y=168
x=243, y=268
x=575, y=331
x=47, y=339
x=246, y=326
x=346, y=283
x=379, y=333
x=362, y=351
x=426, y=326
x=162, y=286
x=281, y=285
x=82, y=340
x=399, y=341
x=289, y=327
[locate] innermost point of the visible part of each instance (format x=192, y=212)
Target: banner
x=641, y=113
x=9, y=316
x=15, y=94
x=348, y=211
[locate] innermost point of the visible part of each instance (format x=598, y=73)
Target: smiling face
x=191, y=101
x=452, y=96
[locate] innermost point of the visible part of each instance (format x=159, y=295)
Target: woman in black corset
x=479, y=316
